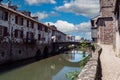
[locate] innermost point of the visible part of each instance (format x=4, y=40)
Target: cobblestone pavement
x=110, y=63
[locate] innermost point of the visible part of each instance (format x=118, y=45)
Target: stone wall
x=19, y=51
x=92, y=70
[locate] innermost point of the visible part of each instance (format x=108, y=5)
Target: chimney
x=9, y=3
x=27, y=13
x=48, y=24
x=14, y=7
x=35, y=17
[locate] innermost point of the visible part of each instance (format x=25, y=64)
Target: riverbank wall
x=92, y=70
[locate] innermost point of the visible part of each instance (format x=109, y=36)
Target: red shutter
x=21, y=35
x=16, y=33
x=5, y=31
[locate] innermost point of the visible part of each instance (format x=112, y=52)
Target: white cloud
x=87, y=8
x=32, y=2
x=67, y=27
x=88, y=35
x=41, y=15
x=82, y=29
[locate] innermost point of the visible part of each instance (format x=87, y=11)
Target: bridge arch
x=38, y=54
x=45, y=51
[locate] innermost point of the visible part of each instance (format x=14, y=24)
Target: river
x=52, y=68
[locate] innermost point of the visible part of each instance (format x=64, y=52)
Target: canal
x=52, y=68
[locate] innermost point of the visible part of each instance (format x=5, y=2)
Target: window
x=39, y=27
x=16, y=19
x=18, y=34
x=3, y=31
x=39, y=36
x=30, y=35
x=4, y=15
x=21, y=21
x=46, y=29
x=27, y=23
x=1, y=14
x=32, y=24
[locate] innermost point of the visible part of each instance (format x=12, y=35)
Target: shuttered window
x=6, y=16
x=27, y=23
x=16, y=33
x=27, y=35
x=16, y=19
x=39, y=36
x=1, y=31
x=21, y=21
x=21, y=35
x=5, y=33
x=32, y=24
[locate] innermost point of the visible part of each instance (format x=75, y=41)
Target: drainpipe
x=10, y=34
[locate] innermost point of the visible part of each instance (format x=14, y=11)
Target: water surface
x=53, y=68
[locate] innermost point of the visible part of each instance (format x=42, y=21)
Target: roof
x=21, y=14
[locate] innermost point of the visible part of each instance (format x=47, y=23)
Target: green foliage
x=83, y=45
x=84, y=61
x=72, y=75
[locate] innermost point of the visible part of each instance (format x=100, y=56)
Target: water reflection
x=75, y=55
x=53, y=68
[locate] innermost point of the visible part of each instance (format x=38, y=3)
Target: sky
x=69, y=16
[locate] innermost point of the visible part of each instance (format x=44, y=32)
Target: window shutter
x=39, y=36
x=6, y=16
x=16, y=33
x=32, y=24
x=5, y=31
x=27, y=35
x=16, y=19
x=32, y=35
x=21, y=35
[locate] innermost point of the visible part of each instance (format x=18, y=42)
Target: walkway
x=110, y=64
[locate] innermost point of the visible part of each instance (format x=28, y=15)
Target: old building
x=94, y=30
x=23, y=36
x=70, y=38
x=105, y=23
x=58, y=36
